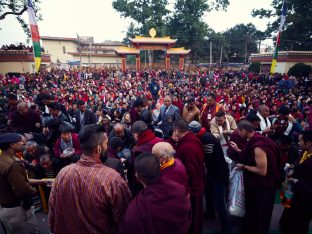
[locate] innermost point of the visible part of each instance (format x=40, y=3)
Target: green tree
x=296, y=34
x=17, y=8
x=241, y=41
x=145, y=13
x=187, y=26
x=131, y=33
x=300, y=69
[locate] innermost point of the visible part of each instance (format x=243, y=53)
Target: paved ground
x=209, y=226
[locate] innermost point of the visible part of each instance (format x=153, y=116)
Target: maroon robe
x=241, y=142
x=259, y=190
x=272, y=154
x=177, y=173
x=161, y=208
x=190, y=152
x=205, y=114
x=144, y=145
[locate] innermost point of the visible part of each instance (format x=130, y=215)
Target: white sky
x=97, y=18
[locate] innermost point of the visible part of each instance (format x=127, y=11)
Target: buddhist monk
x=161, y=207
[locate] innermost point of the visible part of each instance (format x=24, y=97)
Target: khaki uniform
x=15, y=187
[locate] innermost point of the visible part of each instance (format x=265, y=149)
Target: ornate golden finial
x=152, y=32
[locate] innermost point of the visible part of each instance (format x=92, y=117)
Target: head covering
x=194, y=126
x=8, y=138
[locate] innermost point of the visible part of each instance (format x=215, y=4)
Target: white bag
x=236, y=199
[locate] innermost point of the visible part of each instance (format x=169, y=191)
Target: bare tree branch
x=13, y=13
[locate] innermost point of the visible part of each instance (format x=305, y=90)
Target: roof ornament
x=152, y=32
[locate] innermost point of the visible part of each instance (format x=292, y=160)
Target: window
x=64, y=50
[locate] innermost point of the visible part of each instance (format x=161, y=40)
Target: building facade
x=82, y=50
x=285, y=60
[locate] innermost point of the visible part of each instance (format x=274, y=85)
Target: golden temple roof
x=152, y=40
x=127, y=50
x=179, y=50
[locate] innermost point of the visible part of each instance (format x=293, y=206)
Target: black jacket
x=89, y=118
x=215, y=163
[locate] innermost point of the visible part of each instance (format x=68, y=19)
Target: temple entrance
x=150, y=44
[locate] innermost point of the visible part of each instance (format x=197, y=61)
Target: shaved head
x=163, y=149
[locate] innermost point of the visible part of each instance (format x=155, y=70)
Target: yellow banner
x=37, y=64
x=273, y=66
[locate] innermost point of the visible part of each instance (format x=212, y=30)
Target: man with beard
x=88, y=197
x=190, y=111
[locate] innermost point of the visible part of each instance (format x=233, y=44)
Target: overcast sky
x=97, y=18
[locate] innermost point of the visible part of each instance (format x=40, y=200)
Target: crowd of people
x=20, y=46
x=138, y=152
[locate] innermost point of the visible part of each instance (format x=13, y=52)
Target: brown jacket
x=13, y=180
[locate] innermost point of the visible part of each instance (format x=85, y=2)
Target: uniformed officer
x=16, y=209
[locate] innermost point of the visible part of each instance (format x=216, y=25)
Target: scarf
x=167, y=164
x=65, y=145
x=264, y=123
x=145, y=137
x=201, y=133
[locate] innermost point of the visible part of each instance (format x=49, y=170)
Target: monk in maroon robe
x=145, y=140
x=161, y=207
x=190, y=152
x=170, y=167
x=259, y=160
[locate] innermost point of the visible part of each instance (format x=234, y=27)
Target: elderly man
x=168, y=114
x=265, y=124
x=190, y=151
x=16, y=210
x=119, y=130
x=170, y=167
x=161, y=207
x=88, y=197
x=190, y=111
x=25, y=120
x=259, y=161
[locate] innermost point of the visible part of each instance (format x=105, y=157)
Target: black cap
x=8, y=138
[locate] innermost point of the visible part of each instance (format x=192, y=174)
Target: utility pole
x=246, y=49
x=221, y=55
x=89, y=54
x=210, y=53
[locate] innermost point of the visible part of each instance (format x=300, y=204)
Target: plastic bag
x=236, y=199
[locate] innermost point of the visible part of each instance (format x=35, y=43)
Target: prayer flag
x=34, y=35
x=278, y=39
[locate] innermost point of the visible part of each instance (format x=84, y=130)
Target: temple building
x=152, y=43
x=285, y=60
